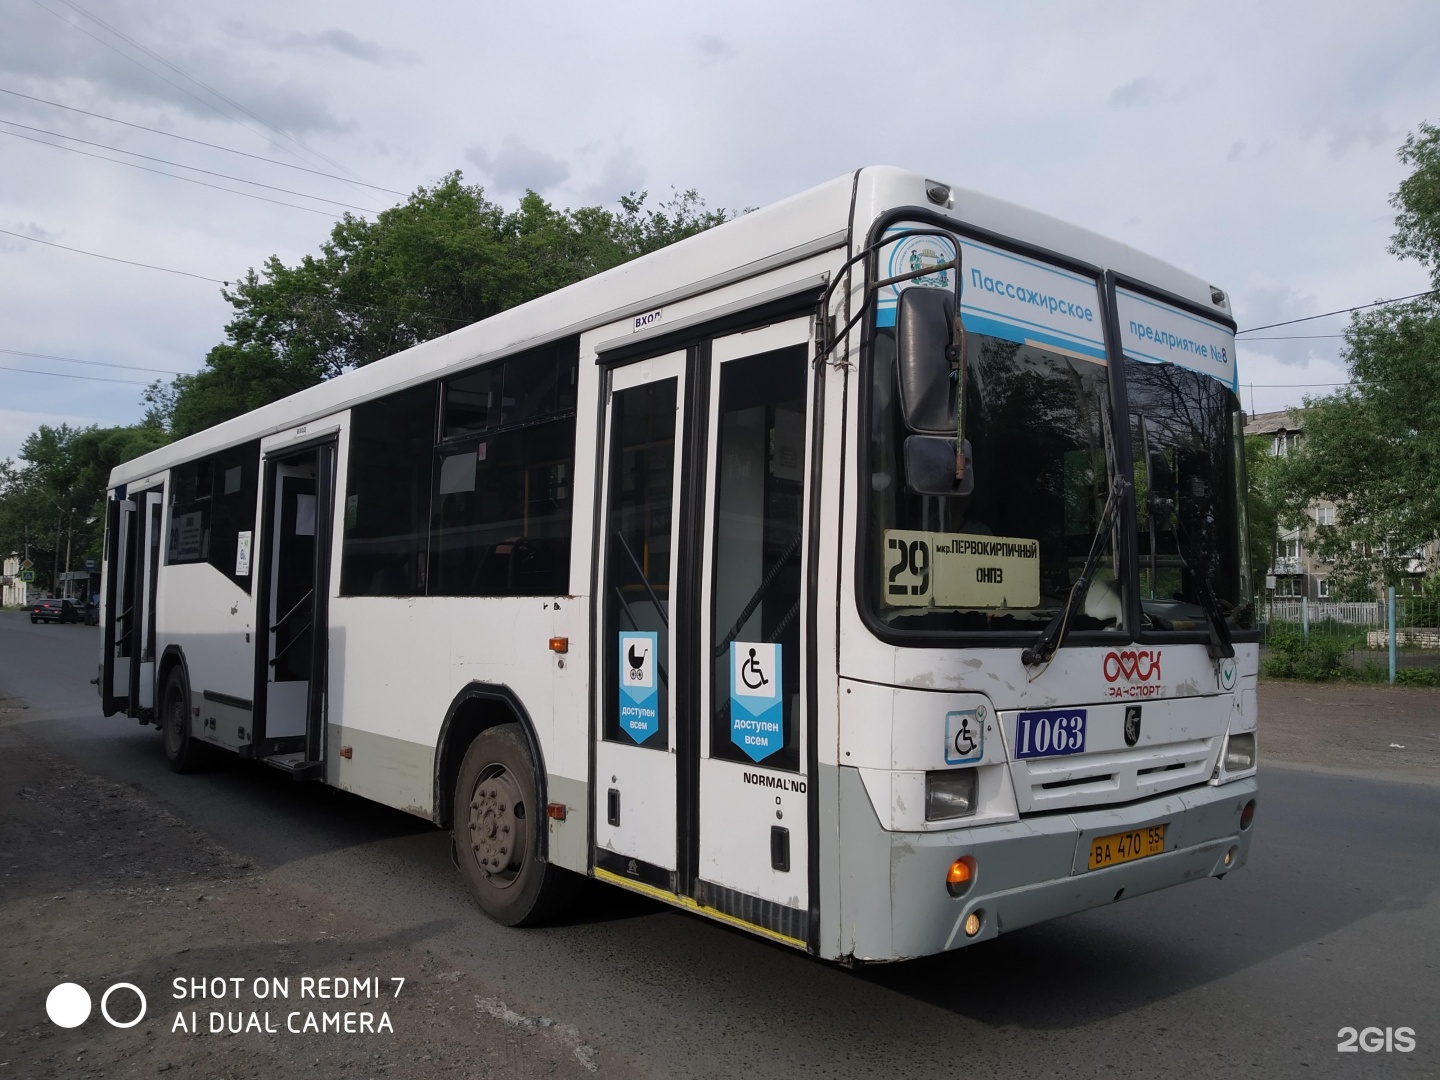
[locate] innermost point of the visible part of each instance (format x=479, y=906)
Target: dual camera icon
x=69, y=1005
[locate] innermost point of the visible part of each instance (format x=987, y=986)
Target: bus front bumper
x=1035, y=869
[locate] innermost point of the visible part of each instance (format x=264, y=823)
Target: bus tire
x=496, y=828
x=183, y=751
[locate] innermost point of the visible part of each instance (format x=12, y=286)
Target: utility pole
x=69, y=540
x=55, y=578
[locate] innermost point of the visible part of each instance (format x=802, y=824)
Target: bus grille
x=1116, y=776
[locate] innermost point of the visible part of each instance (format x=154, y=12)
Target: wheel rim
x=497, y=825
x=174, y=723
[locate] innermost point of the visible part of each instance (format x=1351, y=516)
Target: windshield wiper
x=1053, y=636
x=1219, y=644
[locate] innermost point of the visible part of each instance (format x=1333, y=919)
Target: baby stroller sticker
x=757, y=718
x=639, y=697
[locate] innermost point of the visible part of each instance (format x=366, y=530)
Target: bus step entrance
x=296, y=766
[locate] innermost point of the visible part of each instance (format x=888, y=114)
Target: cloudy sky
x=1251, y=144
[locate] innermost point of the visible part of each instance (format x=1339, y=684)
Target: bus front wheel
x=183, y=751
x=497, y=827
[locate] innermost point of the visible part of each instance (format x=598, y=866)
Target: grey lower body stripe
x=792, y=922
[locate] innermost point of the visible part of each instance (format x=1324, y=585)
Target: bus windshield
x=1189, y=524
x=1004, y=557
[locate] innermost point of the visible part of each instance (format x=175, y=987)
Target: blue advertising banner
x=757, y=716
x=639, y=695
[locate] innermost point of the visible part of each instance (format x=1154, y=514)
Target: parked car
x=53, y=610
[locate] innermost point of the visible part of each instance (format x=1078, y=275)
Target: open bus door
x=150, y=518
x=117, y=616
x=134, y=529
x=292, y=599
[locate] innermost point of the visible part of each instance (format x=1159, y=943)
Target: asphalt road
x=1335, y=923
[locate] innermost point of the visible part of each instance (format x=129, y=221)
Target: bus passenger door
x=751, y=857
x=293, y=601
x=119, y=616
x=635, y=811
x=148, y=515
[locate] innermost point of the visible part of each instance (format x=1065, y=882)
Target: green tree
x=1373, y=447
x=52, y=505
x=1263, y=508
x=443, y=259
x=1417, y=224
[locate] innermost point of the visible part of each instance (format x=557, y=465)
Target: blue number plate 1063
x=1051, y=733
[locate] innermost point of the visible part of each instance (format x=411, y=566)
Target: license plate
x=1126, y=846
x=1052, y=733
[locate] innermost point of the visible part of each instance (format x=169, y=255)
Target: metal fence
x=1360, y=632
x=1327, y=611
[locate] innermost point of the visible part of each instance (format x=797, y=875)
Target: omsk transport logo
x=68, y=1005
x=920, y=253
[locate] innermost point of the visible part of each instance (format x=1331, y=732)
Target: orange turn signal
x=560, y=644
x=960, y=876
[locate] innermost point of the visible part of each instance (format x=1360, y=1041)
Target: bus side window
x=212, y=501
x=502, y=479
x=501, y=513
x=387, y=495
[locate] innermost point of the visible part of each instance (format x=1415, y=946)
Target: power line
x=329, y=303
x=150, y=71
x=1341, y=311
x=180, y=165
x=161, y=172
x=112, y=258
x=1298, y=337
x=1291, y=385
x=202, y=142
x=62, y=375
x=186, y=75
x=93, y=363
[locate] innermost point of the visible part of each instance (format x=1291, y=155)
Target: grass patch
x=1292, y=657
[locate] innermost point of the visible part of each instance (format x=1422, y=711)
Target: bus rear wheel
x=183, y=751
x=498, y=825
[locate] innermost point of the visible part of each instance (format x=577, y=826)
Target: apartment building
x=1296, y=569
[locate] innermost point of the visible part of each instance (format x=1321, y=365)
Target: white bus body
x=642, y=566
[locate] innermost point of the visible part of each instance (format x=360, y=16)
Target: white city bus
x=748, y=577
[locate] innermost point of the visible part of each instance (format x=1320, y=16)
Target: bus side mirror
x=926, y=355
x=930, y=468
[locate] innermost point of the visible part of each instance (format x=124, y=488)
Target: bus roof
x=796, y=228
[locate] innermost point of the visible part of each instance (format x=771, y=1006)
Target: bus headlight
x=1240, y=752
x=950, y=794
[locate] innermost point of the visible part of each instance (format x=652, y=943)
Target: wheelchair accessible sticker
x=639, y=696
x=757, y=719
x=964, y=736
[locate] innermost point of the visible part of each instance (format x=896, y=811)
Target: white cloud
x=518, y=166
x=17, y=424
x=1137, y=92
x=713, y=48
x=620, y=174
x=1179, y=129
